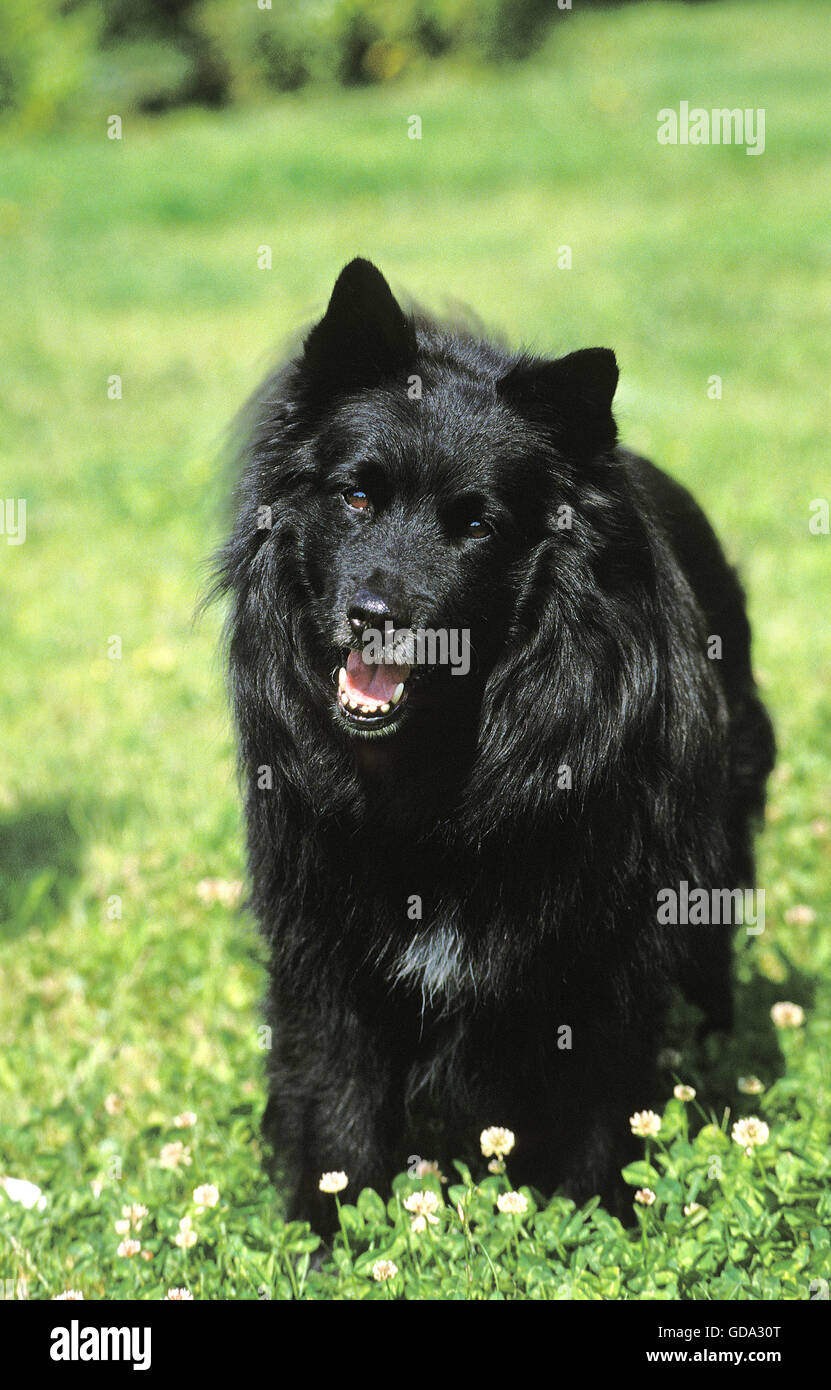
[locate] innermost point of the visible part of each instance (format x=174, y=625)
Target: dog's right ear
x=364, y=334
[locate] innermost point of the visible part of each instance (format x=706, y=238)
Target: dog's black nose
x=369, y=609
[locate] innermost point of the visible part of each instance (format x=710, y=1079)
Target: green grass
x=117, y=776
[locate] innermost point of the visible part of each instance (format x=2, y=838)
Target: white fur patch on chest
x=436, y=962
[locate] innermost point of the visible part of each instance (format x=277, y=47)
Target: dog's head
x=432, y=488
x=405, y=484
x=435, y=535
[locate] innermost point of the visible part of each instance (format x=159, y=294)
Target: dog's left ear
x=364, y=334
x=573, y=395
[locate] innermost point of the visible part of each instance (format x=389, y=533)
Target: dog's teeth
x=397, y=693
x=385, y=709
x=353, y=704
x=365, y=709
x=342, y=677
x=344, y=697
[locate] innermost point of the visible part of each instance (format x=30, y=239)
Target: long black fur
x=394, y=1036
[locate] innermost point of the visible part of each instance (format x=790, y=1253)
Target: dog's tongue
x=365, y=681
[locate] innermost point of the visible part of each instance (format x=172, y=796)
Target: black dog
x=458, y=874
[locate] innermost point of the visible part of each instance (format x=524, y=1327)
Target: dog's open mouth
x=371, y=697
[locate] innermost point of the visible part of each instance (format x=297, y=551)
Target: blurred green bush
x=61, y=58
x=46, y=53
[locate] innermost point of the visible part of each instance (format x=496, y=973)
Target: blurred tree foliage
x=60, y=58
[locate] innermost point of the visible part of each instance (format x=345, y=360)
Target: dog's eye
x=356, y=499
x=463, y=520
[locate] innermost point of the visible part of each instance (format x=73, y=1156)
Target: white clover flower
x=67, y=1294
x=424, y=1204
x=135, y=1214
x=219, y=890
x=645, y=1196
x=645, y=1124
x=800, y=916
x=333, y=1182
x=514, y=1203
x=179, y=1295
x=750, y=1085
x=384, y=1269
x=186, y=1120
x=122, y=1228
x=496, y=1141
x=692, y=1207
x=113, y=1104
x=750, y=1132
x=788, y=1015
x=682, y=1092
x=186, y=1236
x=28, y=1194
x=127, y=1248
x=175, y=1155
x=205, y=1196
x=428, y=1167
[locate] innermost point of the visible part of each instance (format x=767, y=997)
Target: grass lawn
x=128, y=995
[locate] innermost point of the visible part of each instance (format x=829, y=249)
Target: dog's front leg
x=331, y=1109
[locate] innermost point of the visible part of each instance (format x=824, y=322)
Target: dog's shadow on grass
x=752, y=1050
x=41, y=846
